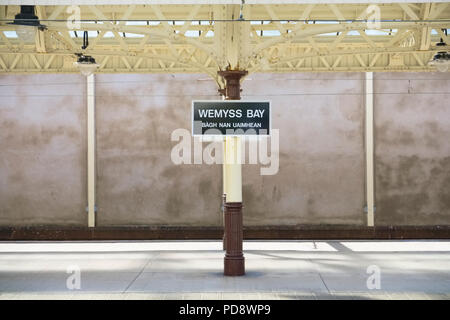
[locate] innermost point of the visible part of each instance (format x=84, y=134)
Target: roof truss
x=206, y=38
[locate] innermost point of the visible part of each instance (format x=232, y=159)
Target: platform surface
x=194, y=270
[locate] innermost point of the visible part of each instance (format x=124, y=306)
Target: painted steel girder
x=270, y=38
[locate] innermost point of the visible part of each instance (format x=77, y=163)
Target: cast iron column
x=234, y=263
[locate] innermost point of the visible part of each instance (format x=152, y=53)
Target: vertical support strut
x=234, y=262
x=91, y=149
x=369, y=150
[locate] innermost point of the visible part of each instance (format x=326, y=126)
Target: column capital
x=232, y=83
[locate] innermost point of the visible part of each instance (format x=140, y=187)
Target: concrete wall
x=43, y=150
x=137, y=182
x=412, y=153
x=321, y=166
x=321, y=175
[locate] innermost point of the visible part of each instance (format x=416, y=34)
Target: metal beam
x=273, y=38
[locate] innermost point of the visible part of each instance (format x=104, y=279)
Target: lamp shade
x=26, y=23
x=86, y=68
x=86, y=64
x=26, y=33
x=441, y=61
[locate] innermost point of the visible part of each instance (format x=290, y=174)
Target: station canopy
x=135, y=36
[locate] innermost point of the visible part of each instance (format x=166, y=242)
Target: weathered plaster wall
x=42, y=150
x=412, y=151
x=137, y=182
x=321, y=164
x=321, y=175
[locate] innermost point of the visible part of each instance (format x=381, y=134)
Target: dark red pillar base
x=234, y=262
x=234, y=266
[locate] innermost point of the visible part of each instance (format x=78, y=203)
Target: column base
x=234, y=266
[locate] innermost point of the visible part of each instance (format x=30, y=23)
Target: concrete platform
x=193, y=270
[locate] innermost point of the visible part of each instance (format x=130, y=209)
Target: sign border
x=231, y=135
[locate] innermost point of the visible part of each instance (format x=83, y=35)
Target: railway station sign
x=231, y=118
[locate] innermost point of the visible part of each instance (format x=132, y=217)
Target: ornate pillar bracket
x=232, y=83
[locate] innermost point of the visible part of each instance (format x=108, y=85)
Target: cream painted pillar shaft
x=233, y=169
x=224, y=166
x=369, y=150
x=91, y=149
